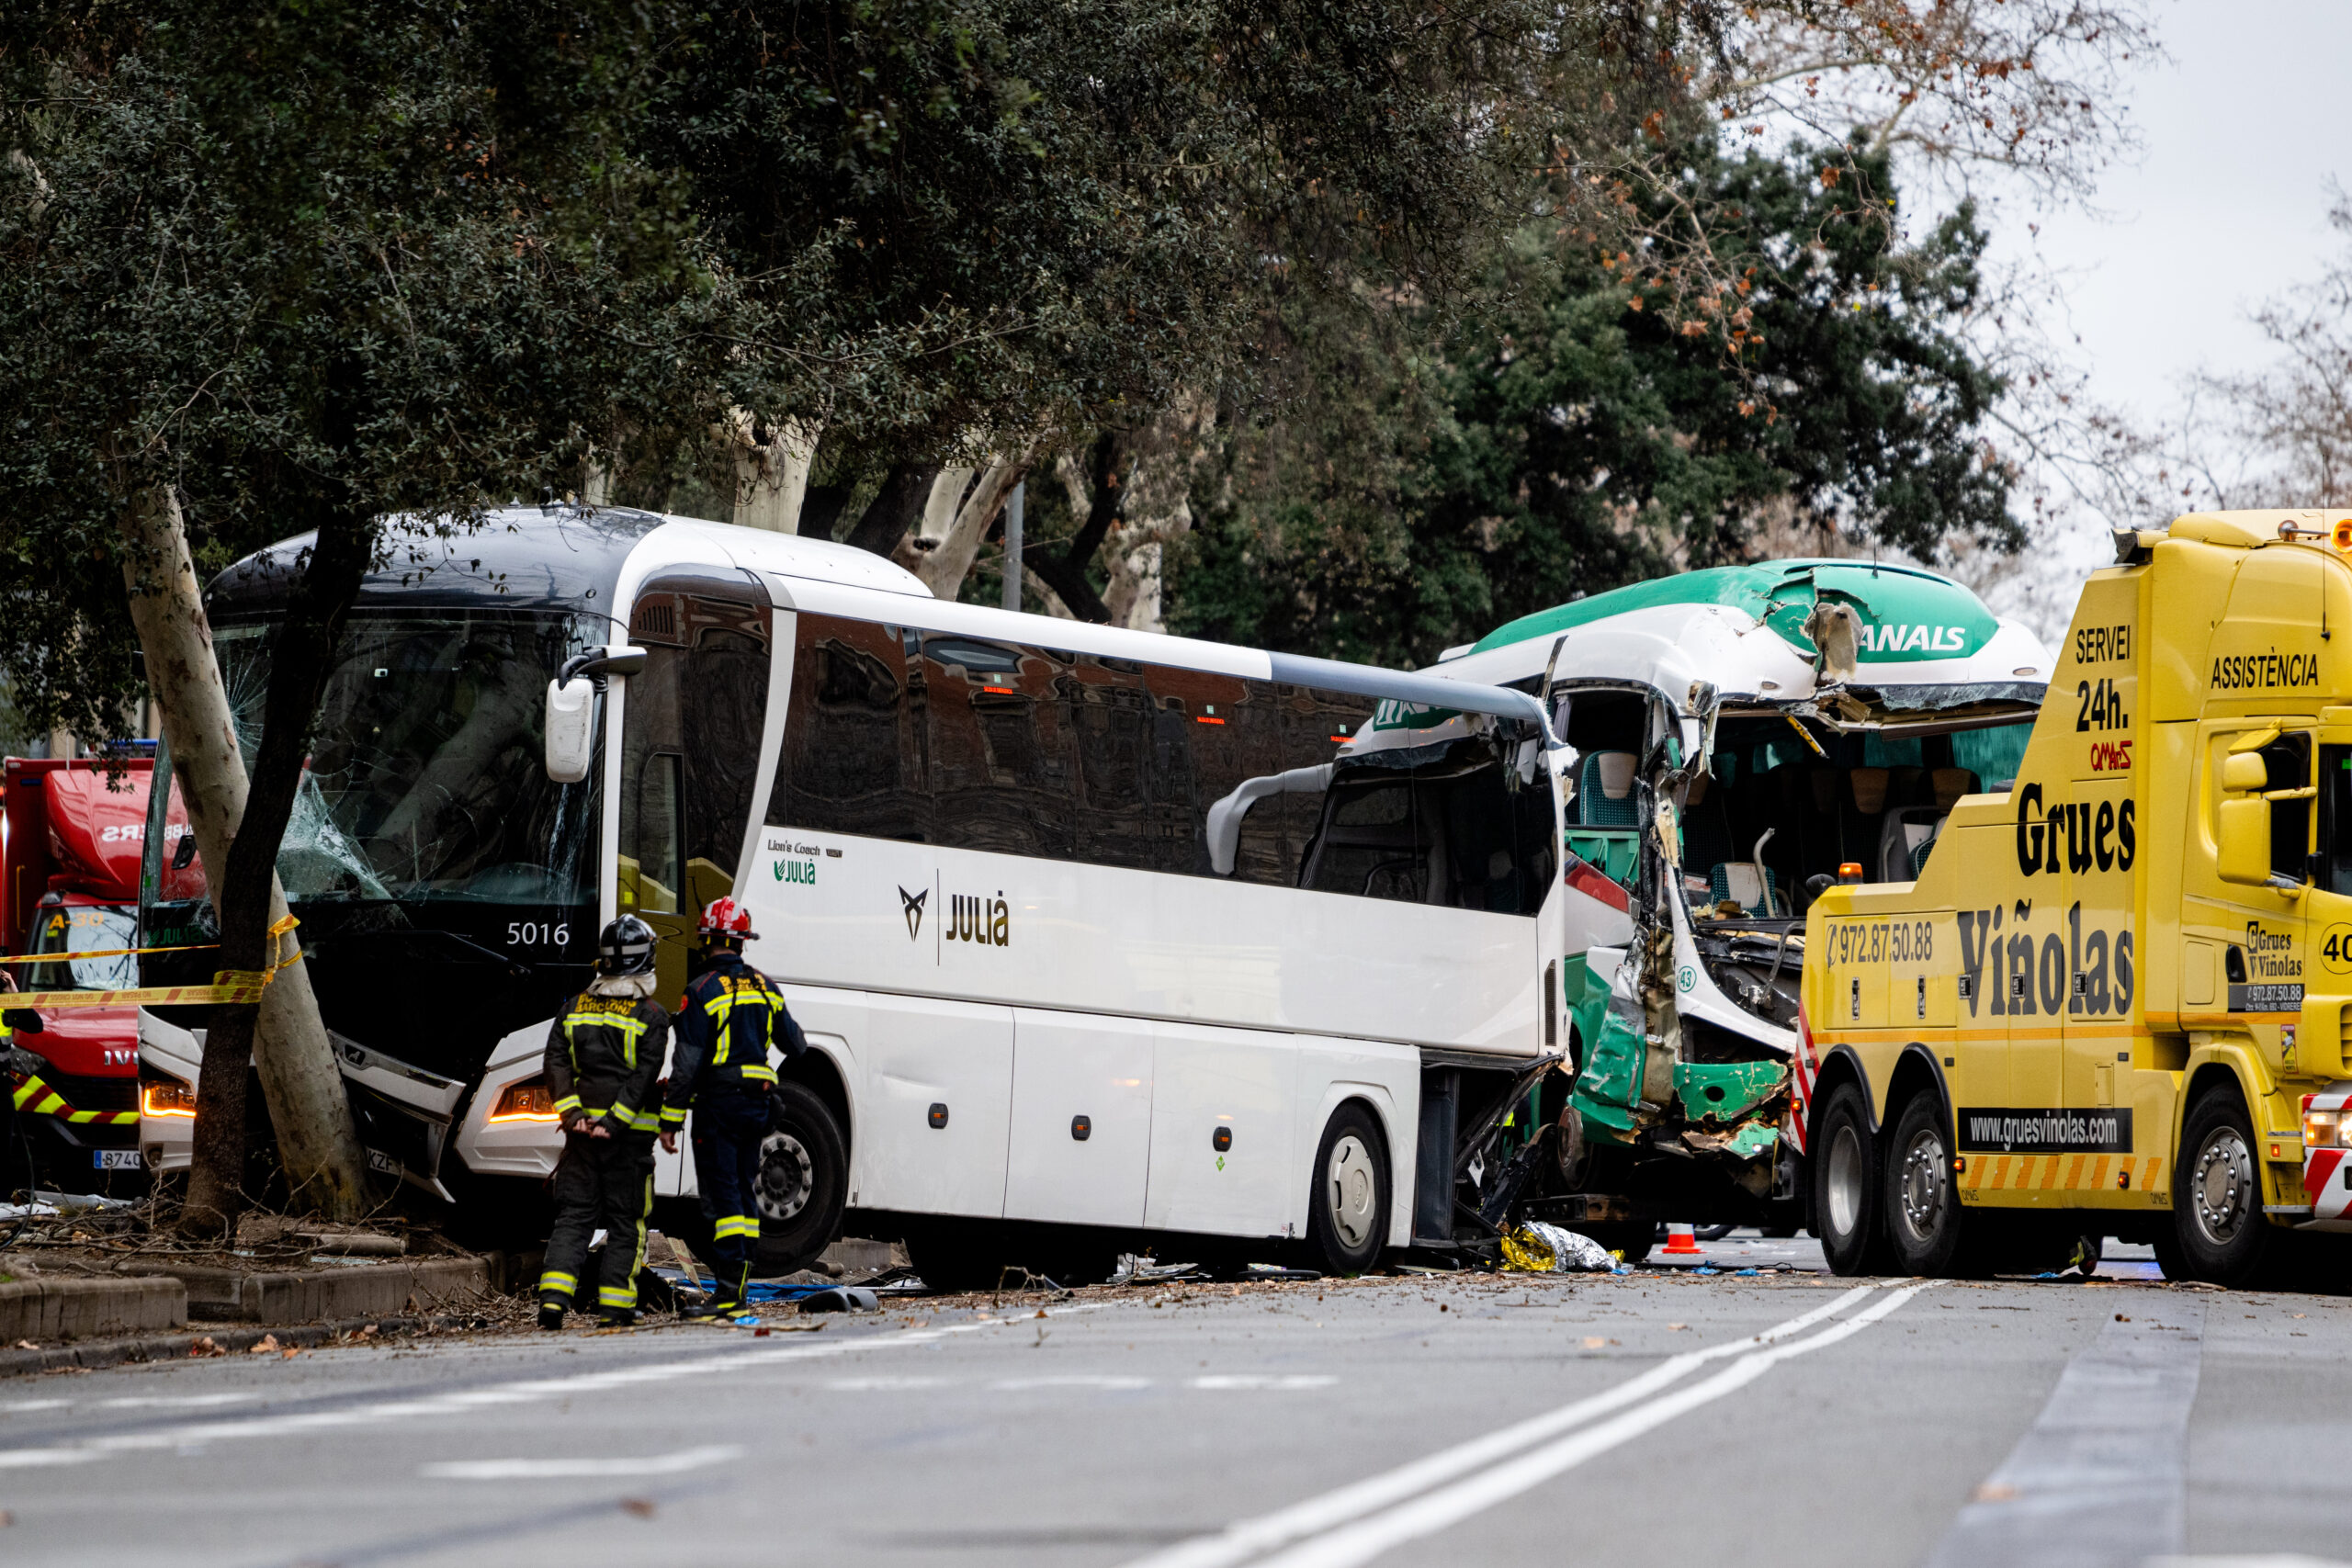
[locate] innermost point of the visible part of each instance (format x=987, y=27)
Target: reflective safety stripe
x=555, y=1282
x=638, y=1120
x=761, y=1073
x=630, y=1029
x=736, y=1225
x=673, y=1116
x=754, y=992
x=616, y=1295
x=38, y=1099
x=568, y=1103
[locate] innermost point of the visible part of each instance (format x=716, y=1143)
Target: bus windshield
x=425, y=779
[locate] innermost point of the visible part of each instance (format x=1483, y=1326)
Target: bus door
x=691, y=727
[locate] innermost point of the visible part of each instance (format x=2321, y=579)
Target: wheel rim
x=1352, y=1189
x=788, y=1176
x=1846, y=1181
x=2222, y=1186
x=1923, y=1184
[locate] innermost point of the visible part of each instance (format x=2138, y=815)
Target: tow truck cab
x=69, y=885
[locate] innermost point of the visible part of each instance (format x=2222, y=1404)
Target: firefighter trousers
x=729, y=1130
x=600, y=1184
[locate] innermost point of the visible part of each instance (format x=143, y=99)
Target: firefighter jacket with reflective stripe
x=729, y=1016
x=603, y=1054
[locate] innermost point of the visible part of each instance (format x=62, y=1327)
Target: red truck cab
x=69, y=885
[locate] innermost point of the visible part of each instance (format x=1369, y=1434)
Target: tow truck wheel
x=1347, y=1217
x=2218, y=1224
x=1847, y=1187
x=1923, y=1213
x=802, y=1183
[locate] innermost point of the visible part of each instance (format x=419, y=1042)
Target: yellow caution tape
x=233, y=986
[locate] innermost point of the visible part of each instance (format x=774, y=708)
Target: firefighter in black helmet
x=603, y=1054
x=732, y=1014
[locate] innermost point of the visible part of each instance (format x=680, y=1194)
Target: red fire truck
x=70, y=838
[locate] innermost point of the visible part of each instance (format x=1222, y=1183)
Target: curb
x=92, y=1355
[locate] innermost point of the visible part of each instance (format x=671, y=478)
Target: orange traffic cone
x=1680, y=1243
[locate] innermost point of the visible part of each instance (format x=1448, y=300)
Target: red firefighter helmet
x=725, y=917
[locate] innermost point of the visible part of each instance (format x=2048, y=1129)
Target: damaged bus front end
x=1739, y=735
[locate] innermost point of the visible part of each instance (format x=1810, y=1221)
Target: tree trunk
x=299, y=1079
x=772, y=475
x=905, y=490
x=946, y=565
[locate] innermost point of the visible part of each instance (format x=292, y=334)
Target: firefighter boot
x=551, y=1316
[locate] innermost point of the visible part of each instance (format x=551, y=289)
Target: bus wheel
x=803, y=1181
x=1923, y=1213
x=2218, y=1222
x=1347, y=1217
x=1845, y=1186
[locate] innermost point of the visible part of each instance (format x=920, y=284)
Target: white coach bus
x=1094, y=932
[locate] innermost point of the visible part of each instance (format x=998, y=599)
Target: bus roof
x=1929, y=651
x=1780, y=594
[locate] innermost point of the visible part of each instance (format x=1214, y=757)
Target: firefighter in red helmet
x=730, y=1015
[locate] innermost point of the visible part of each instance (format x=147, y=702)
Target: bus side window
x=1210, y=733
x=853, y=758
x=1110, y=715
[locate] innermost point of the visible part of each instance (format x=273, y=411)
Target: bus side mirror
x=570, y=728
x=2244, y=773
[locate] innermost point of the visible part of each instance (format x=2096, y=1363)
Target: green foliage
x=309, y=263
x=1414, y=493
x=964, y=220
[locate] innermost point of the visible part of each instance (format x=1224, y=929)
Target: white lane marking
x=883, y=1385
x=1262, y=1380
x=15, y=1406
x=1239, y=1542
x=2105, y=1461
x=528, y=1390
x=173, y=1401
x=1367, y=1538
x=1070, y=1381
x=568, y=1469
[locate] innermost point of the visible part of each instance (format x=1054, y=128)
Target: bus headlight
x=528, y=1100
x=2323, y=1129
x=163, y=1096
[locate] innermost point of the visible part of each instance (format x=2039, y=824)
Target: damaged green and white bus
x=1742, y=736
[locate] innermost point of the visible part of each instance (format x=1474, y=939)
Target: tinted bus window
x=853, y=758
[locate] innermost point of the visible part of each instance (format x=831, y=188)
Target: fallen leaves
x=638, y=1507
x=205, y=1345
x=266, y=1345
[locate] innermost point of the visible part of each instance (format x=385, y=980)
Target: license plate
x=378, y=1160
x=115, y=1159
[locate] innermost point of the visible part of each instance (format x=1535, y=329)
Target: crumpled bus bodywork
x=1739, y=733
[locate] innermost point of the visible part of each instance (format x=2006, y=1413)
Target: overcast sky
x=2243, y=129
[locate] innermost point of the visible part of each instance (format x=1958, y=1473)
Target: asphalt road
x=1773, y=1417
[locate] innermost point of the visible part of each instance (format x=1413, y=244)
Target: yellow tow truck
x=2110, y=997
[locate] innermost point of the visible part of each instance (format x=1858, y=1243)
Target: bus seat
x=1951, y=784
x=1605, y=790
x=1825, y=781
x=1903, y=840
x=1739, y=882
x=1869, y=786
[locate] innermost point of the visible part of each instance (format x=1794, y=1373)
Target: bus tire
x=803, y=1181
x=1921, y=1198
x=2219, y=1228
x=1845, y=1186
x=1347, y=1213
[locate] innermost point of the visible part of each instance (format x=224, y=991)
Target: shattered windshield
x=426, y=776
